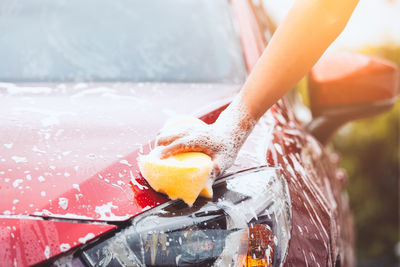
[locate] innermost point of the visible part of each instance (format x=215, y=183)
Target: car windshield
x=119, y=40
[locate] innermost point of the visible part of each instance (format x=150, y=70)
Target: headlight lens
x=246, y=224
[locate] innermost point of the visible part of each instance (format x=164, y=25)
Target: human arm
x=306, y=32
x=304, y=35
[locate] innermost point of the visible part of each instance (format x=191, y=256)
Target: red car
x=84, y=88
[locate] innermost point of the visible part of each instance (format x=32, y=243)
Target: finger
x=181, y=146
x=166, y=140
x=168, y=135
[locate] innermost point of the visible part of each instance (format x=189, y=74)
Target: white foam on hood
x=86, y=238
x=105, y=212
x=18, y=159
x=63, y=203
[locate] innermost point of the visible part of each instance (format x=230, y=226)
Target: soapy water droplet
x=17, y=182
x=76, y=186
x=91, y=156
x=18, y=159
x=84, y=239
x=125, y=162
x=63, y=203
x=47, y=252
x=10, y=145
x=64, y=247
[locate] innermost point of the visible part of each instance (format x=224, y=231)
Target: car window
x=119, y=40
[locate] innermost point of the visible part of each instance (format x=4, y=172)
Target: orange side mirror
x=345, y=86
x=341, y=79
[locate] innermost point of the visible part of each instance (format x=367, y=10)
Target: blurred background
x=369, y=148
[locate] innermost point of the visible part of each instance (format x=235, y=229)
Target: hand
x=221, y=140
x=200, y=138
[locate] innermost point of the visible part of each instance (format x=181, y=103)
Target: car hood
x=69, y=150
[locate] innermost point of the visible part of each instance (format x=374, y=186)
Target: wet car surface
x=72, y=192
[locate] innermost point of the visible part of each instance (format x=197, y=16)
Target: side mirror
x=345, y=86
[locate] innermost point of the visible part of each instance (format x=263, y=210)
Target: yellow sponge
x=183, y=176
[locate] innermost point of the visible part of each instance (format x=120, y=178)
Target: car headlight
x=246, y=224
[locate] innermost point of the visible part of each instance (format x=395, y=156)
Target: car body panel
x=73, y=155
x=27, y=241
x=321, y=219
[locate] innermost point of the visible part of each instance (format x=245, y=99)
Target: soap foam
x=221, y=140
